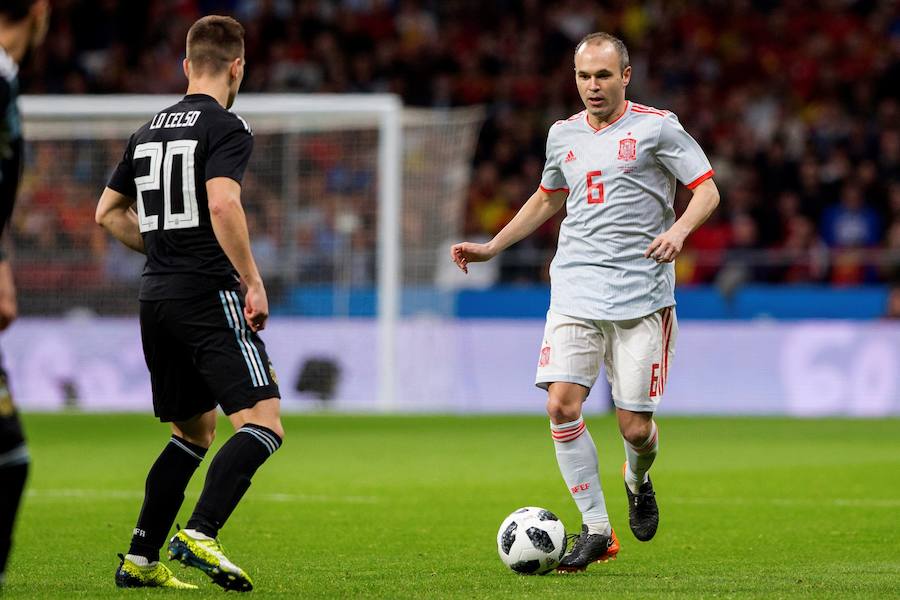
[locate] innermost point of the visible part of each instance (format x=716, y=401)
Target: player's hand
x=464, y=253
x=256, y=307
x=8, y=307
x=666, y=247
x=8, y=310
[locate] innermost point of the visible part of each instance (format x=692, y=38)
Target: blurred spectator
x=892, y=310
x=852, y=223
x=801, y=157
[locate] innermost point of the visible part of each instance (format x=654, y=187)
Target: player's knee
x=562, y=410
x=277, y=428
x=273, y=425
x=202, y=438
x=636, y=433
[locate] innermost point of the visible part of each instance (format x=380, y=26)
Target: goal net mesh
x=310, y=195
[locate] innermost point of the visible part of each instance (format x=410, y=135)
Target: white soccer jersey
x=621, y=184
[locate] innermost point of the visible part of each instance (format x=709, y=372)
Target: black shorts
x=11, y=434
x=201, y=353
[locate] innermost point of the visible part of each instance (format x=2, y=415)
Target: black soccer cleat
x=643, y=513
x=589, y=548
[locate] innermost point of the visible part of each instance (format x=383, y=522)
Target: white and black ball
x=531, y=541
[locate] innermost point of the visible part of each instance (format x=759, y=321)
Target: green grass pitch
x=408, y=507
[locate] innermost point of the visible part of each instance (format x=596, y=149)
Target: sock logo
x=581, y=487
x=139, y=532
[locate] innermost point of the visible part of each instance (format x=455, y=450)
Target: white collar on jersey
x=8, y=67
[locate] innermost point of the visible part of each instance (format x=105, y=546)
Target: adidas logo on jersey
x=570, y=156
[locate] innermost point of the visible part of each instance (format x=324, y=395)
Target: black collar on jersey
x=198, y=97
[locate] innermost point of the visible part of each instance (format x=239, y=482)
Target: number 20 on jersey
x=162, y=159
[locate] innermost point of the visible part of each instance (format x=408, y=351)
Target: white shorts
x=637, y=354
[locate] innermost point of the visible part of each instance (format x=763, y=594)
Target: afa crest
x=627, y=149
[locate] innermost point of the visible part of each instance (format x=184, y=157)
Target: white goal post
x=108, y=118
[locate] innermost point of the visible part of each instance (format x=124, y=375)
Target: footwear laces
x=212, y=544
x=575, y=541
x=643, y=501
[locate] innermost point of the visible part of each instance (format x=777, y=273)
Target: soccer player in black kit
x=182, y=171
x=23, y=25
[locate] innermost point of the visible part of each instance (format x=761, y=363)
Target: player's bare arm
x=8, y=306
x=667, y=246
x=115, y=214
x=534, y=213
x=230, y=226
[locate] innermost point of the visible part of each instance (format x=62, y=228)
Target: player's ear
x=237, y=68
x=186, y=65
x=626, y=75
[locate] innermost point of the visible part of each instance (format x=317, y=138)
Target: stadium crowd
x=795, y=102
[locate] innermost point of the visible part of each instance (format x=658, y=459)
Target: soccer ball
x=531, y=541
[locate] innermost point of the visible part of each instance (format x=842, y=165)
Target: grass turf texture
x=403, y=507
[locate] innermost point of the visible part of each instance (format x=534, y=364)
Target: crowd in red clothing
x=795, y=102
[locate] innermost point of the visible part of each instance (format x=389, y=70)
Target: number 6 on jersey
x=594, y=187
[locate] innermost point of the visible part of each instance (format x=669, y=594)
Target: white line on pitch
x=849, y=502
x=128, y=495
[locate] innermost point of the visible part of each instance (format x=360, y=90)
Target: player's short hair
x=14, y=11
x=601, y=37
x=213, y=42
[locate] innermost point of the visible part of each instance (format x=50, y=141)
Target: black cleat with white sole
x=643, y=513
x=589, y=548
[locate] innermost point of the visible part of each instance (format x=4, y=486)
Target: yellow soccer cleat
x=205, y=553
x=156, y=574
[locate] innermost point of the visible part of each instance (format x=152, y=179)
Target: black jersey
x=165, y=168
x=11, y=143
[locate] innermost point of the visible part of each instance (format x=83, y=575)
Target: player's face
x=600, y=80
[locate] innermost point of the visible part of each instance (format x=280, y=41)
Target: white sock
x=577, y=458
x=639, y=459
x=140, y=561
x=196, y=534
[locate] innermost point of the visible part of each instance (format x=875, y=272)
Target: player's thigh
x=265, y=412
x=638, y=356
x=570, y=352
x=231, y=358
x=199, y=429
x=179, y=391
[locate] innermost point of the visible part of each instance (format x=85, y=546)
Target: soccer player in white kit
x=614, y=166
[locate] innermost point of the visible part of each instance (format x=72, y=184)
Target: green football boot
x=207, y=554
x=130, y=575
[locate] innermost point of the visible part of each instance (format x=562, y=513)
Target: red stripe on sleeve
x=700, y=179
x=554, y=190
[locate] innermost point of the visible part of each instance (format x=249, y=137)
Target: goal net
x=350, y=201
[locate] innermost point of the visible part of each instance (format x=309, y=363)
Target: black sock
x=229, y=476
x=163, y=495
x=12, y=482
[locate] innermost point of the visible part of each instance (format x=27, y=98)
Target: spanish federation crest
x=627, y=149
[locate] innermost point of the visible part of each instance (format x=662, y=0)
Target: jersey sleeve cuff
x=700, y=179
x=553, y=190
